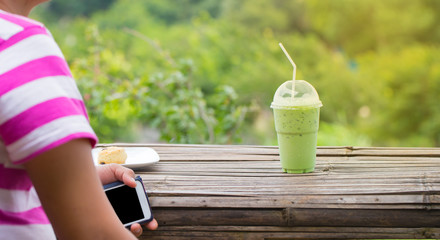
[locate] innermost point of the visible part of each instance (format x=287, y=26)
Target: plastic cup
x=297, y=123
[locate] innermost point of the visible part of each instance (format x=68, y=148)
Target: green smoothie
x=296, y=123
x=297, y=130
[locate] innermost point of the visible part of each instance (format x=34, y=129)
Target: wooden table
x=239, y=192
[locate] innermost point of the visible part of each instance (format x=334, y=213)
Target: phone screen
x=126, y=204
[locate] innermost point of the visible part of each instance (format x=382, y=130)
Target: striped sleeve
x=40, y=105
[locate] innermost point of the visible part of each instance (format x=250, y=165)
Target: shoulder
x=25, y=43
x=40, y=105
x=21, y=36
x=12, y=24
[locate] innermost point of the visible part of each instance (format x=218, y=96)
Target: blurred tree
x=370, y=61
x=431, y=34
x=277, y=15
x=118, y=98
x=363, y=25
x=182, y=11
x=401, y=90
x=62, y=8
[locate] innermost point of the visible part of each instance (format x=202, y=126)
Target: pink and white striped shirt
x=40, y=108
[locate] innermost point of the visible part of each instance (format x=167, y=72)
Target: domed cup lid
x=305, y=95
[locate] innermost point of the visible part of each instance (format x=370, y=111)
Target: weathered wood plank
x=302, y=201
x=315, y=217
x=239, y=192
x=250, y=232
x=273, y=150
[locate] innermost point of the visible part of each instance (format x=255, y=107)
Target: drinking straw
x=294, y=68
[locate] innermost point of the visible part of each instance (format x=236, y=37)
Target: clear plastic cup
x=297, y=123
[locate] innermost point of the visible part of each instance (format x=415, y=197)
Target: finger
x=124, y=175
x=136, y=229
x=105, y=174
x=153, y=225
x=129, y=180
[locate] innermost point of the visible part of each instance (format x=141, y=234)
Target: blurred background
x=205, y=71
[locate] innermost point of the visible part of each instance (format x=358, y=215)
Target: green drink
x=297, y=123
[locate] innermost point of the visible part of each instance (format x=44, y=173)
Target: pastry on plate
x=112, y=155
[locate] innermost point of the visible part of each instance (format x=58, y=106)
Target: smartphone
x=130, y=204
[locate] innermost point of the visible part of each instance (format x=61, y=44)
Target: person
x=49, y=185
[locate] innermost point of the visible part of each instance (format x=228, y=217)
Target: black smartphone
x=130, y=204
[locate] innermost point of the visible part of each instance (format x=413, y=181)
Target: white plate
x=136, y=156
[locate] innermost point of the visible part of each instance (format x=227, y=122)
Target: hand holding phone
x=130, y=204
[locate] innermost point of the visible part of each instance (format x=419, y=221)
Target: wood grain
x=239, y=192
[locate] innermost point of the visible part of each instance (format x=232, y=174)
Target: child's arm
x=71, y=193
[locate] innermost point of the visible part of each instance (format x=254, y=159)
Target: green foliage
x=61, y=8
x=259, y=15
x=174, y=12
x=118, y=99
x=206, y=71
x=363, y=25
x=404, y=102
x=185, y=115
x=341, y=134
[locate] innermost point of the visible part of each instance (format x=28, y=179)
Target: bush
x=118, y=99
